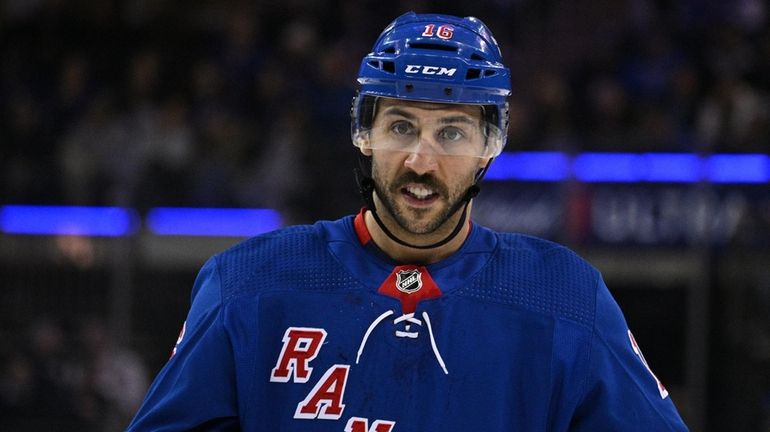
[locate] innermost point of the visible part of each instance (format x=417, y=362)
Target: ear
x=361, y=141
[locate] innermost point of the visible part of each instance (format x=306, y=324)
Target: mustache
x=426, y=179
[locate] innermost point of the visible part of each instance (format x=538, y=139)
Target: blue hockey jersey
x=311, y=328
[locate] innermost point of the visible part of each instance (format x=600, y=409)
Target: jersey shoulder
x=541, y=276
x=295, y=257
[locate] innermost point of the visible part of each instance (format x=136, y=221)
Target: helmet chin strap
x=366, y=188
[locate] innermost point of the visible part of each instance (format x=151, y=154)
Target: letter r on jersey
x=300, y=347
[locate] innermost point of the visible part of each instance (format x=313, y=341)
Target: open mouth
x=419, y=194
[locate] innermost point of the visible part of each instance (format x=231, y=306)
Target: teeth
x=419, y=191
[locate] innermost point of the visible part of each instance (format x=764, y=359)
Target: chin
x=421, y=227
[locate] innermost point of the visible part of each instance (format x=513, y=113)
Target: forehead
x=426, y=109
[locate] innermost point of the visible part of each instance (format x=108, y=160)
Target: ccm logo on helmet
x=430, y=70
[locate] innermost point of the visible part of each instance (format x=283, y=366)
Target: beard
x=419, y=220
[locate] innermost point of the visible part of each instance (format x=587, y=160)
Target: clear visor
x=453, y=135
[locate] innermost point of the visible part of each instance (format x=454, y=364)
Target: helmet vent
x=490, y=72
x=386, y=66
x=473, y=74
x=389, y=50
x=432, y=46
x=477, y=56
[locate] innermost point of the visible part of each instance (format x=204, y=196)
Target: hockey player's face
x=419, y=187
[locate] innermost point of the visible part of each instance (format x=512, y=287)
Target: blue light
x=735, y=168
x=530, y=166
x=608, y=167
x=672, y=167
x=64, y=220
x=212, y=221
x=518, y=166
x=631, y=167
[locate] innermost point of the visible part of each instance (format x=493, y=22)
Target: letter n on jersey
x=358, y=424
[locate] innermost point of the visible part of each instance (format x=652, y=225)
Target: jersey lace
x=406, y=333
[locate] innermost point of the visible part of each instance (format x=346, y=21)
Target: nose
x=422, y=159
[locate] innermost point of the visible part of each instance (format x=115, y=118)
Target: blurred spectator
x=734, y=117
x=17, y=388
x=114, y=379
x=37, y=382
x=554, y=123
x=84, y=150
x=682, y=101
x=169, y=158
x=273, y=181
x=58, y=380
x=27, y=153
x=608, y=113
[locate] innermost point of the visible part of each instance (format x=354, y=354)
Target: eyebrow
x=443, y=120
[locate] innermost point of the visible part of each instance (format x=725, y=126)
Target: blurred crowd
x=68, y=377
x=243, y=103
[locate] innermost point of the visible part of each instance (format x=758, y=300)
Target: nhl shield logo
x=409, y=281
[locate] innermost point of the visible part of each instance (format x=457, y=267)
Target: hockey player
x=408, y=316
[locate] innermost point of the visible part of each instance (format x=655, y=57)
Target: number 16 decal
x=443, y=31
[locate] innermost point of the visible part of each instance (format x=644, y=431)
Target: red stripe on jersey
x=359, y=223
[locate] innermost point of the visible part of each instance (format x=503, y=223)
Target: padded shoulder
x=295, y=257
x=540, y=276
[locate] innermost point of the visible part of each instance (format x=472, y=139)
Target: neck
x=405, y=254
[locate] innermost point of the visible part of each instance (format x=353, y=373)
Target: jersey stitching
x=637, y=384
x=587, y=376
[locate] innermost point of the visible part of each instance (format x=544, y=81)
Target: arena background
x=640, y=136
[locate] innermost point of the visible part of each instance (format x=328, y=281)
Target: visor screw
x=409, y=87
x=447, y=91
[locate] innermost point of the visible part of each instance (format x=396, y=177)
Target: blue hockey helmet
x=435, y=58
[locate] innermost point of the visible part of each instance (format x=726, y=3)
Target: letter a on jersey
x=300, y=346
x=325, y=400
